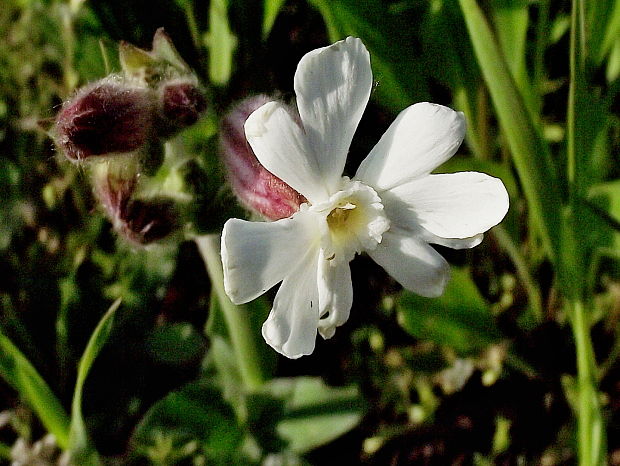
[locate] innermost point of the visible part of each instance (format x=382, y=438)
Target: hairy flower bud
x=256, y=188
x=139, y=221
x=105, y=118
x=183, y=102
x=146, y=221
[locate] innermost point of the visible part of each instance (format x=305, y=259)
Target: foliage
x=132, y=355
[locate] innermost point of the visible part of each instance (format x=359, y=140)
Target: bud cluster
x=118, y=126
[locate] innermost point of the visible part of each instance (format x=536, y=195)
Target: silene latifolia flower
x=391, y=209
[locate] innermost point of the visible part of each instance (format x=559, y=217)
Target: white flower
x=392, y=209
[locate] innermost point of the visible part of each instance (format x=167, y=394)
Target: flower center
x=337, y=218
x=354, y=220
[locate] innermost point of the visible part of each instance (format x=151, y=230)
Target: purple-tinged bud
x=138, y=221
x=114, y=187
x=256, y=188
x=105, y=118
x=146, y=221
x=183, y=103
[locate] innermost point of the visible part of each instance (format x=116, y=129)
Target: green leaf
x=604, y=201
x=460, y=318
x=610, y=191
x=530, y=152
x=195, y=412
x=613, y=64
x=175, y=344
x=80, y=448
x=303, y=412
x=18, y=372
x=221, y=43
x=271, y=10
x=511, y=19
x=604, y=18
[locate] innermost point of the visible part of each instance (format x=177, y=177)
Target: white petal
x=257, y=255
x=292, y=324
x=453, y=205
x=402, y=217
x=454, y=243
x=335, y=296
x=421, y=138
x=333, y=85
x=412, y=262
x=280, y=145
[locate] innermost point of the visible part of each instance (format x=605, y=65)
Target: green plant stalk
x=70, y=76
x=521, y=266
x=542, y=33
x=241, y=336
x=590, y=425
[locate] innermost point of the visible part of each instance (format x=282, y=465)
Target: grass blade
x=271, y=10
x=79, y=444
x=17, y=370
x=221, y=43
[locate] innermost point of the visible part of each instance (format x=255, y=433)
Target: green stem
x=192, y=24
x=70, y=76
x=523, y=271
x=590, y=428
x=241, y=335
x=542, y=37
x=572, y=272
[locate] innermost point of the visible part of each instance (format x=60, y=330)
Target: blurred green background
x=125, y=355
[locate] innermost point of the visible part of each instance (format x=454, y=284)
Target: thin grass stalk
x=590, y=425
x=237, y=323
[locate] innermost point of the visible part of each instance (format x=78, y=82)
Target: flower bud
x=114, y=185
x=146, y=221
x=183, y=102
x=139, y=221
x=256, y=188
x=105, y=118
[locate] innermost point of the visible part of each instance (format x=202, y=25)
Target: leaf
x=80, y=448
x=613, y=64
x=194, y=412
x=459, y=319
x=303, y=412
x=604, y=201
x=604, y=16
x=175, y=344
x=511, y=21
x=221, y=43
x=16, y=370
x=610, y=191
x=271, y=10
